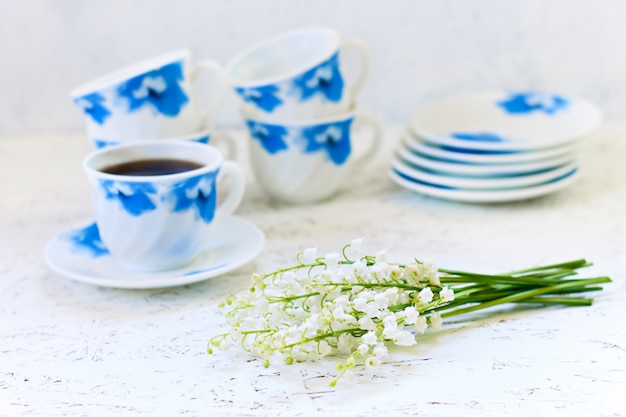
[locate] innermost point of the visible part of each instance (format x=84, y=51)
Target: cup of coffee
x=299, y=75
x=154, y=98
x=309, y=161
x=156, y=202
x=221, y=140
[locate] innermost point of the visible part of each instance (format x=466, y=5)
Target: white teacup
x=160, y=219
x=306, y=162
x=157, y=97
x=298, y=75
x=221, y=140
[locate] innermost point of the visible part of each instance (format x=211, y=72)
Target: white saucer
x=483, y=183
x=235, y=242
x=482, y=196
x=500, y=120
x=464, y=155
x=443, y=166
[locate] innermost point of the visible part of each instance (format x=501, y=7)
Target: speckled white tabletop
x=69, y=348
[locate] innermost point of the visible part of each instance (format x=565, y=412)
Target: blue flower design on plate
x=87, y=240
x=523, y=103
x=159, y=89
x=197, y=193
x=134, y=197
x=272, y=137
x=264, y=97
x=325, y=79
x=475, y=151
x=333, y=138
x=92, y=104
x=478, y=137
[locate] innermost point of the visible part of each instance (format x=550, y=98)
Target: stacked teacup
x=154, y=179
x=158, y=98
x=297, y=96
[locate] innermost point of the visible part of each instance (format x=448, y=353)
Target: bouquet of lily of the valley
x=356, y=306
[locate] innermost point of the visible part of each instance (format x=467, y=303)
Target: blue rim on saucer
x=488, y=183
x=482, y=196
x=80, y=255
x=447, y=167
x=428, y=149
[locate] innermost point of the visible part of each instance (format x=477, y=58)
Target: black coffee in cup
x=145, y=167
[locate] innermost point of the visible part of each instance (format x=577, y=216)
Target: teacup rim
x=348, y=114
x=208, y=131
x=207, y=168
x=268, y=41
x=122, y=74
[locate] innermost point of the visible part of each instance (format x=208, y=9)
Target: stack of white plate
x=494, y=146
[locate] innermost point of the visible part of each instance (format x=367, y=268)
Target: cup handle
x=233, y=171
x=209, y=67
x=223, y=139
x=368, y=122
x=361, y=48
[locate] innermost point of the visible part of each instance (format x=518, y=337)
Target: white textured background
x=421, y=50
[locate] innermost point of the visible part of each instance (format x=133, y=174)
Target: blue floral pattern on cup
x=87, y=240
x=524, y=103
x=331, y=138
x=93, y=105
x=265, y=97
x=136, y=198
x=325, y=80
x=159, y=89
x=271, y=137
x=99, y=144
x=198, y=193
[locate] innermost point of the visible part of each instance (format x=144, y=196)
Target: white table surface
x=68, y=348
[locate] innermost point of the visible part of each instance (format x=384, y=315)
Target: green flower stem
x=565, y=301
x=576, y=264
x=356, y=331
x=291, y=268
x=525, y=295
x=481, y=293
x=541, y=271
x=275, y=299
x=504, y=279
x=577, y=290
